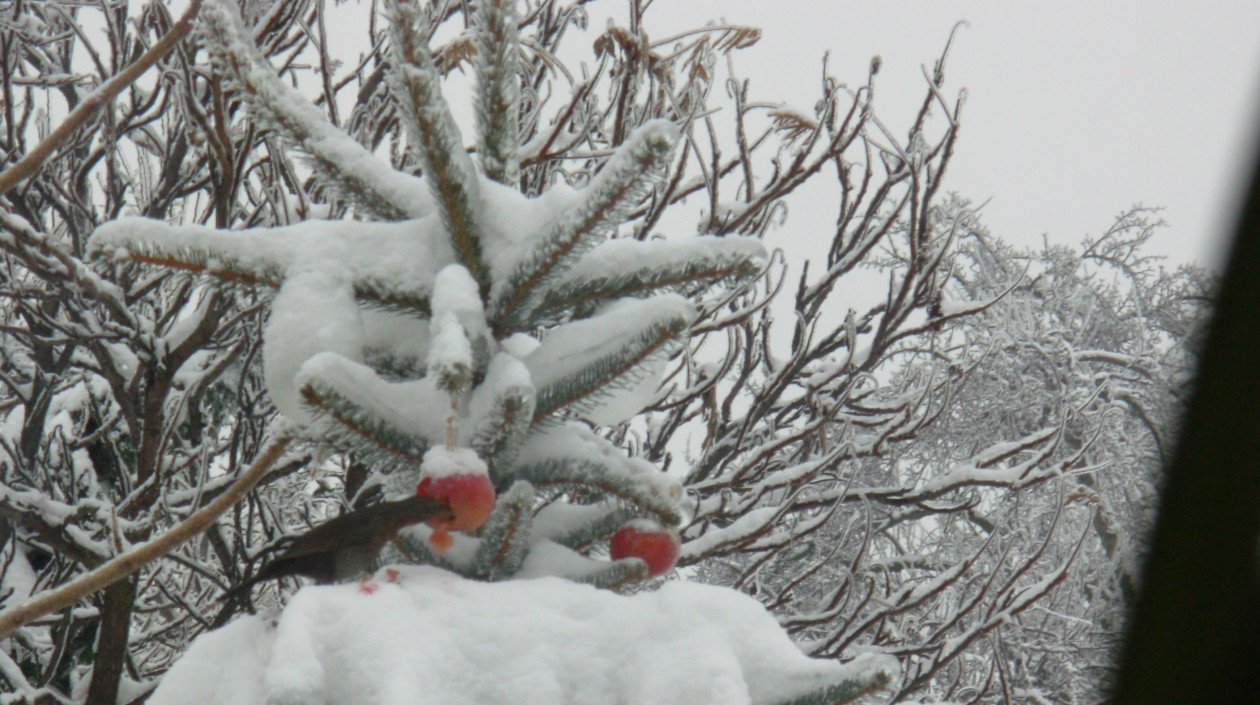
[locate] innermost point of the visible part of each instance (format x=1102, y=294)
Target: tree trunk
x=111, y=642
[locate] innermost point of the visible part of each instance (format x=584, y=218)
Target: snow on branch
x=498, y=90
x=344, y=165
x=392, y=422
x=607, y=368
x=20, y=238
x=749, y=526
x=133, y=560
x=573, y=456
x=388, y=265
x=577, y=525
x=624, y=182
x=627, y=267
x=506, y=538
x=502, y=409
x=89, y=105
x=447, y=166
x=250, y=258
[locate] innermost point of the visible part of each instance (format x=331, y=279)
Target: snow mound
x=433, y=637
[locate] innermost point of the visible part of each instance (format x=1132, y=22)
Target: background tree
x=108, y=435
x=972, y=498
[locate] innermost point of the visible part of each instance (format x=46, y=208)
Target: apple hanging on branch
x=648, y=541
x=460, y=479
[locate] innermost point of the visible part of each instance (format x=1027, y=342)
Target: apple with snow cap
x=647, y=540
x=459, y=478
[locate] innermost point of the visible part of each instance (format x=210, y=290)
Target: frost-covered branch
x=89, y=106
x=344, y=165
x=621, y=185
x=447, y=166
x=124, y=565
x=498, y=91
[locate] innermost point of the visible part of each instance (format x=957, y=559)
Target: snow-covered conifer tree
x=453, y=310
x=460, y=323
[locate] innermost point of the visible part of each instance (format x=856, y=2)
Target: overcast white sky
x=1076, y=109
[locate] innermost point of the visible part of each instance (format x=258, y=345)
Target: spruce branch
x=396, y=365
x=364, y=412
x=616, y=574
x=844, y=692
x=196, y=249
x=597, y=528
x=497, y=90
x=505, y=540
x=341, y=164
x=623, y=483
x=704, y=263
x=625, y=366
x=447, y=166
x=624, y=182
x=190, y=260
x=450, y=360
x=349, y=426
x=389, y=296
x=502, y=428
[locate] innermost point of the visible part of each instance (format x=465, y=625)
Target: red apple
x=457, y=477
x=641, y=538
x=471, y=498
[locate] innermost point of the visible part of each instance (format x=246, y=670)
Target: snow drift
x=429, y=636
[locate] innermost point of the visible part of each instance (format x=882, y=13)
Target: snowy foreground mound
x=433, y=637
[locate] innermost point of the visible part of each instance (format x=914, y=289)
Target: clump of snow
x=455, y=293
x=415, y=407
x=506, y=372
x=504, y=375
x=440, y=462
x=433, y=637
x=520, y=344
x=561, y=518
x=394, y=333
x=449, y=347
x=647, y=526
x=548, y=559
x=312, y=313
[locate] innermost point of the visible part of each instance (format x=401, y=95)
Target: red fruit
x=471, y=498
x=656, y=545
